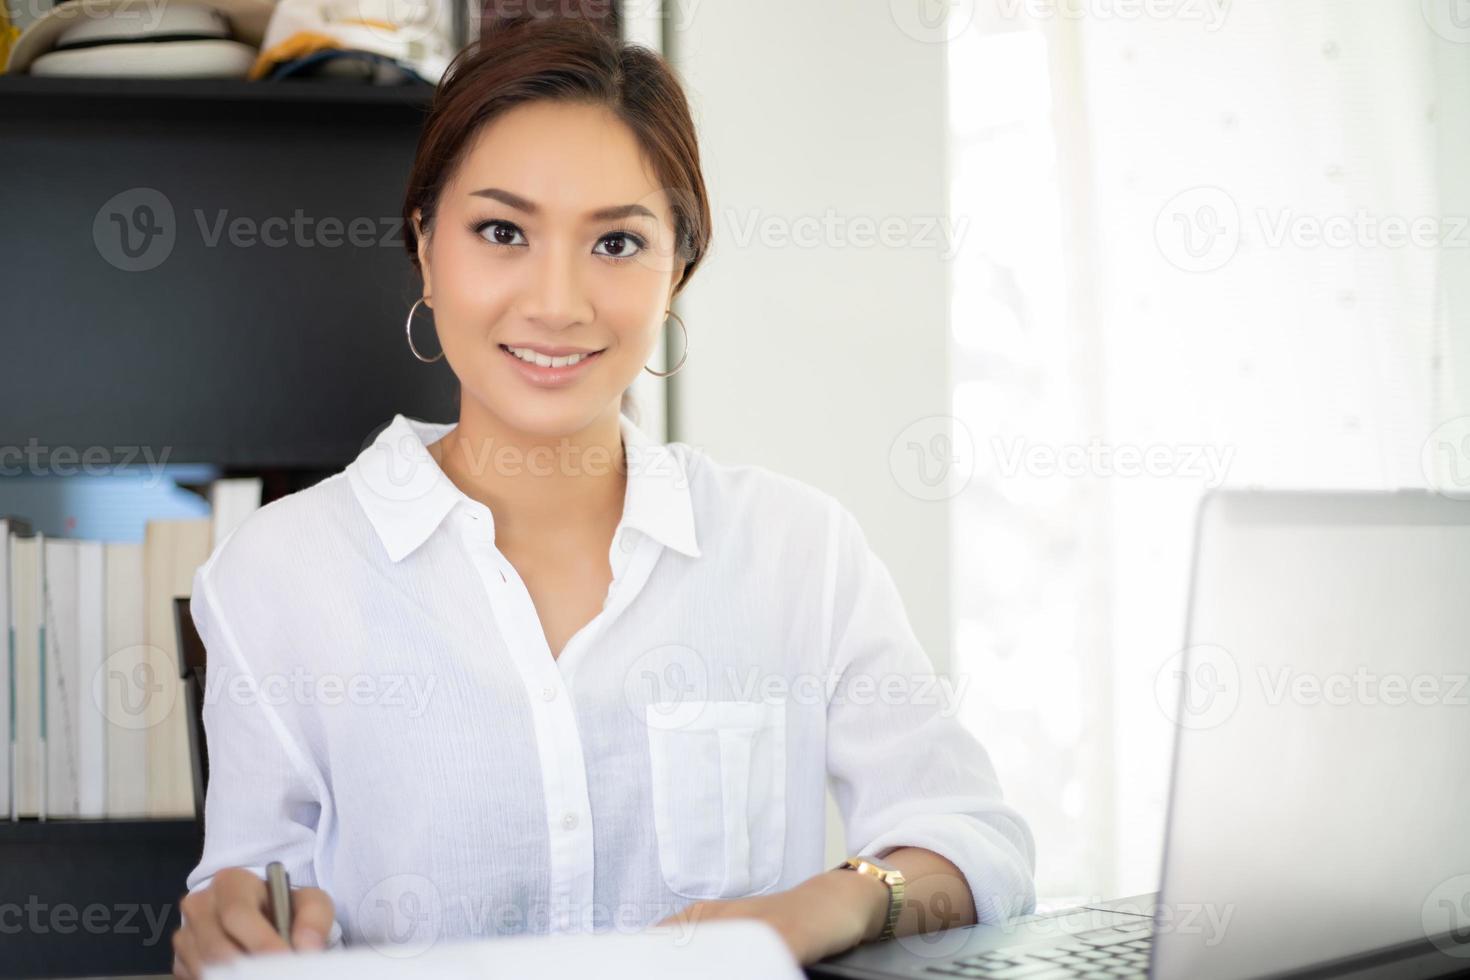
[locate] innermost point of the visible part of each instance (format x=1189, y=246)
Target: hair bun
x=499, y=16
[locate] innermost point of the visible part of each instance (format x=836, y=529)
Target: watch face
x=882, y=868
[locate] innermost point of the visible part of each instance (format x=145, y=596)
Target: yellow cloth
x=303, y=43
x=298, y=45
x=8, y=33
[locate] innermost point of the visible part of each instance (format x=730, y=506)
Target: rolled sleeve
x=263, y=801
x=904, y=770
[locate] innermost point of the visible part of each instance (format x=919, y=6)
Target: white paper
x=724, y=950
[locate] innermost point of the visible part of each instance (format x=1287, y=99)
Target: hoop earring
x=682, y=357
x=408, y=330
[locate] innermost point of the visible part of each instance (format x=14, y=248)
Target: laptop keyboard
x=1110, y=953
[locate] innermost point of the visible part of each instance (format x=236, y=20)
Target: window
x=1191, y=261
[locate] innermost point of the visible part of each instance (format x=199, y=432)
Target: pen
x=278, y=898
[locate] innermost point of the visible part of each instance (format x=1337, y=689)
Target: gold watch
x=892, y=877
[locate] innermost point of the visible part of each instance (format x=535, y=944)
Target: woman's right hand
x=228, y=919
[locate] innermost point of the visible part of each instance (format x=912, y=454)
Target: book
x=91, y=641
x=230, y=502
x=93, y=719
x=125, y=682
x=7, y=671
x=25, y=605
x=60, y=707
x=730, y=949
x=172, y=551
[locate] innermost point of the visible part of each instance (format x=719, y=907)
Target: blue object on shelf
x=106, y=507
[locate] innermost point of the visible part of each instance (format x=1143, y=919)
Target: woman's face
x=552, y=237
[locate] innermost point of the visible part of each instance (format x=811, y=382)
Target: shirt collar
x=406, y=496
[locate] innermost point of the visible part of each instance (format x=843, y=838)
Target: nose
x=555, y=296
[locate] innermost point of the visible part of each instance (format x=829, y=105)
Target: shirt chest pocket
x=719, y=795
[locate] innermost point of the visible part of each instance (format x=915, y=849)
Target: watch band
x=891, y=877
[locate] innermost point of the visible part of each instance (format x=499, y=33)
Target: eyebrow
x=601, y=214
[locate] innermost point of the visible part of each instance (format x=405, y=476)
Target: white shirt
x=383, y=713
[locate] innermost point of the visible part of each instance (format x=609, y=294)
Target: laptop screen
x=1322, y=786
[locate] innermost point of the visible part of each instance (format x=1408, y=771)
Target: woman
x=534, y=672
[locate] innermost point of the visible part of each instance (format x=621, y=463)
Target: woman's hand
x=229, y=918
x=838, y=909
x=823, y=915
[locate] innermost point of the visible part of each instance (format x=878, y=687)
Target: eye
x=623, y=245
x=500, y=233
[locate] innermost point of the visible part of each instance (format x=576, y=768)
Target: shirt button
x=569, y=821
x=626, y=542
x=548, y=694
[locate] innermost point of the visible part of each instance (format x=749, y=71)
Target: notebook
x=734, y=949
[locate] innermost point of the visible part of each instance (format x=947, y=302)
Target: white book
x=172, y=551
x=42, y=731
x=230, y=502
x=731, y=949
x=62, y=706
x=91, y=641
x=126, y=683
x=7, y=673
x=25, y=605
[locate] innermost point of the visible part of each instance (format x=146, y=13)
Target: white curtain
x=1209, y=243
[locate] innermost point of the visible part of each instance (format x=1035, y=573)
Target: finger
x=311, y=918
x=685, y=921
x=676, y=918
x=245, y=923
x=231, y=888
x=185, y=956
x=699, y=911
x=240, y=901
x=238, y=881
x=211, y=944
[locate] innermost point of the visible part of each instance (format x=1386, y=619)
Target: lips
x=548, y=356
x=554, y=375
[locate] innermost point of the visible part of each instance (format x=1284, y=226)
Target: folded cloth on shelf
x=340, y=65
x=8, y=33
x=417, y=36
x=152, y=38
x=193, y=59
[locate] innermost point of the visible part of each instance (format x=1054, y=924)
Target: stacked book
x=91, y=695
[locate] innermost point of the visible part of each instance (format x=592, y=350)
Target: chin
x=550, y=415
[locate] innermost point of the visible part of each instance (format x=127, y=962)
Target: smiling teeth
x=531, y=357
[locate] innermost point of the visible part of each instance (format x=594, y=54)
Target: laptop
x=1319, y=809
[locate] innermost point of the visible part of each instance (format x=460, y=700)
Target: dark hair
x=525, y=57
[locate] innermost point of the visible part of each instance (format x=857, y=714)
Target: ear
x=422, y=241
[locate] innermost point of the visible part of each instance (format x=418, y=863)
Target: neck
x=534, y=483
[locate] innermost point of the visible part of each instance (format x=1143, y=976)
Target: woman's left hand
x=823, y=915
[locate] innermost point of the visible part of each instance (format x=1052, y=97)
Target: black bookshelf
x=281, y=362
x=92, y=897
x=222, y=95
x=255, y=339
